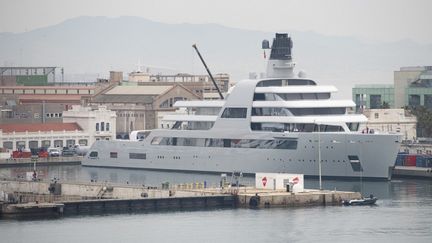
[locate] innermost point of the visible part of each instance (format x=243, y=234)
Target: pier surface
x=38, y=198
x=72, y=160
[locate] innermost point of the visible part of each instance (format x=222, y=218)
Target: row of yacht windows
x=241, y=112
x=226, y=143
x=290, y=96
x=114, y=155
x=279, y=111
x=285, y=82
x=279, y=127
x=192, y=125
x=297, y=127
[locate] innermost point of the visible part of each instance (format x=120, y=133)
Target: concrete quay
x=45, y=199
x=28, y=198
x=261, y=198
x=32, y=209
x=286, y=199
x=22, y=162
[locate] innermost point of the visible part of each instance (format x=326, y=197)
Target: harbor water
x=402, y=214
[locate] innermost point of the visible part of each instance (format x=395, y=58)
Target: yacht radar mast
x=280, y=64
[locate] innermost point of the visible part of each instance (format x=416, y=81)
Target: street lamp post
x=319, y=156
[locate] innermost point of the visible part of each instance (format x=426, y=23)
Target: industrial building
x=137, y=107
x=198, y=84
x=80, y=125
x=392, y=121
x=30, y=76
x=412, y=86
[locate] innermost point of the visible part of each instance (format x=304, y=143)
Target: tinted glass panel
x=283, y=82
x=93, y=154
x=231, y=143
x=353, y=126
x=321, y=96
x=137, y=156
x=309, y=96
x=291, y=96
x=294, y=127
x=234, y=113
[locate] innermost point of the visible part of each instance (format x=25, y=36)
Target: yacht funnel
x=280, y=64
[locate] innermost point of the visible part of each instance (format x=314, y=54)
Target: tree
x=424, y=120
x=385, y=105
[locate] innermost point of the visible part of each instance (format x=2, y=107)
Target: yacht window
x=207, y=111
x=93, y=154
x=113, y=154
x=234, y=113
x=322, y=96
x=196, y=142
x=137, y=156
x=309, y=96
x=199, y=125
x=259, y=96
x=290, y=96
x=353, y=126
x=269, y=83
x=308, y=128
x=214, y=142
x=271, y=111
x=330, y=128
x=301, y=82
x=318, y=111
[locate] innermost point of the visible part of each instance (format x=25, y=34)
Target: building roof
x=134, y=99
x=373, y=86
x=139, y=90
x=43, y=127
x=49, y=97
x=81, y=87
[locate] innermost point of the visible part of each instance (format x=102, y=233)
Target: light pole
x=319, y=156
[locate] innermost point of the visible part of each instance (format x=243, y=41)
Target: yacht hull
x=376, y=153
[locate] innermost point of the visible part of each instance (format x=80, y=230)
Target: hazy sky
x=370, y=20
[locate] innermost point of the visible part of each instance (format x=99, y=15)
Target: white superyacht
x=283, y=123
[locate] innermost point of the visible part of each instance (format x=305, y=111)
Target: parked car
x=54, y=152
x=68, y=151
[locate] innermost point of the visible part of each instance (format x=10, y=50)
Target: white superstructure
x=283, y=123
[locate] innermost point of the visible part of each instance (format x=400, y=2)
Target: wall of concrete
x=95, y=190
x=298, y=199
